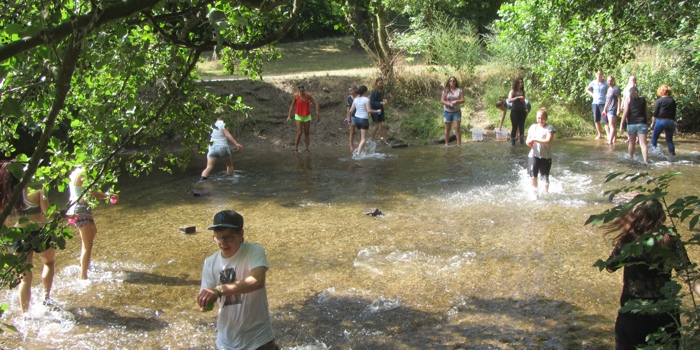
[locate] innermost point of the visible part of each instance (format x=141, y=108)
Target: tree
x=563, y=42
x=97, y=83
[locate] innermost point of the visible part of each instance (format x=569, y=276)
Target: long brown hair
x=643, y=218
x=7, y=183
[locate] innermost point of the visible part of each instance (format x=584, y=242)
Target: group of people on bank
x=628, y=109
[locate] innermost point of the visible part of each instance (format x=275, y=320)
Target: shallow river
x=464, y=255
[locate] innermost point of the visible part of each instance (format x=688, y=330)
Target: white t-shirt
x=244, y=320
x=451, y=96
x=218, y=138
x=361, y=107
x=537, y=132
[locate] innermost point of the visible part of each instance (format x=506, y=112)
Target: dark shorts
x=37, y=241
x=539, y=166
x=597, y=112
x=631, y=330
x=360, y=123
x=378, y=117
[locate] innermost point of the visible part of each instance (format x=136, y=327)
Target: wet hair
x=447, y=83
x=544, y=112
x=643, y=218
x=664, y=90
x=8, y=182
x=501, y=104
x=362, y=90
x=514, y=87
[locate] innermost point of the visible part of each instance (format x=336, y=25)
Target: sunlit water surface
x=464, y=256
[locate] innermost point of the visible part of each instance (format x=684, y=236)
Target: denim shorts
x=361, y=123
x=219, y=152
x=637, y=129
x=451, y=116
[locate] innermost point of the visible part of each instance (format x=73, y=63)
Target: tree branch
x=62, y=31
x=63, y=84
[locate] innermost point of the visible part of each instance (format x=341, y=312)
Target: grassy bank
x=415, y=93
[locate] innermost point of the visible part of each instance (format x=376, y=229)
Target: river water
x=465, y=256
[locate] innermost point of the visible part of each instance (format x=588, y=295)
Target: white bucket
x=502, y=135
x=478, y=134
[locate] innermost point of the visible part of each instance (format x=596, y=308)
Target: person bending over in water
x=31, y=206
x=80, y=214
x=539, y=137
x=219, y=148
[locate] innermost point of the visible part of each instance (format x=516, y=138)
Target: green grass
x=417, y=87
x=321, y=55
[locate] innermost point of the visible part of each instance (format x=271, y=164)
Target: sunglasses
x=224, y=239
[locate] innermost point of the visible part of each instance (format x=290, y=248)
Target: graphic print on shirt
x=227, y=276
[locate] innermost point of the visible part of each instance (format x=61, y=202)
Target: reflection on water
x=465, y=255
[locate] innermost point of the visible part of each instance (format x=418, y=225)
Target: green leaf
x=694, y=222
x=11, y=107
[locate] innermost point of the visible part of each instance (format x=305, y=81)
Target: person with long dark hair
x=644, y=276
x=518, y=112
x=301, y=107
x=378, y=101
x=32, y=205
x=360, y=111
x=352, y=94
x=452, y=99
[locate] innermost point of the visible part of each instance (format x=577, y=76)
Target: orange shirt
x=303, y=107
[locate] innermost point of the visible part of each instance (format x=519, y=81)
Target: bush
x=442, y=41
x=423, y=120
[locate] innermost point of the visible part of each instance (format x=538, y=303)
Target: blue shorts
x=361, y=123
x=597, y=112
x=451, y=116
x=219, y=152
x=637, y=129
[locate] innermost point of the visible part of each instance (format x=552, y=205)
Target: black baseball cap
x=227, y=218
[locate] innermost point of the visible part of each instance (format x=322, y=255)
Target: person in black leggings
x=518, y=112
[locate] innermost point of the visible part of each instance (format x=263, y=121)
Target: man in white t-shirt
x=235, y=275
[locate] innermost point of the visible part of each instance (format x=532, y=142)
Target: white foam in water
x=318, y=345
x=377, y=259
x=383, y=304
x=566, y=188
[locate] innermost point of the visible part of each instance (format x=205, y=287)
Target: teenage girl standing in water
x=539, y=137
x=452, y=99
x=518, y=112
x=361, y=109
x=32, y=205
x=80, y=214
